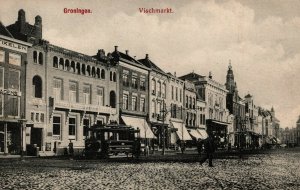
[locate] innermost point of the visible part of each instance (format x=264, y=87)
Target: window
x=1, y=104
x=35, y=57
x=187, y=102
x=134, y=105
x=110, y=76
x=72, y=127
x=56, y=125
x=37, y=87
x=159, y=89
x=55, y=62
x=142, y=83
x=37, y=117
x=41, y=58
x=172, y=92
x=12, y=107
x=86, y=126
x=163, y=90
x=1, y=77
x=114, y=77
x=153, y=86
x=125, y=101
x=2, y=56
x=73, y=88
x=67, y=65
x=112, y=99
x=73, y=69
x=194, y=103
x=176, y=93
x=57, y=89
x=14, y=59
x=61, y=63
x=134, y=83
x=87, y=94
x=102, y=74
x=190, y=102
x=42, y=117
x=180, y=95
x=32, y=116
x=142, y=104
x=125, y=78
x=99, y=97
x=14, y=80
x=153, y=108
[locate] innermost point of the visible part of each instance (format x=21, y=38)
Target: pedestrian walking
x=71, y=149
x=209, y=148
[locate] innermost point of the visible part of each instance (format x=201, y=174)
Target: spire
x=229, y=67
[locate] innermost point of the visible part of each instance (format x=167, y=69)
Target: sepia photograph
x=149, y=94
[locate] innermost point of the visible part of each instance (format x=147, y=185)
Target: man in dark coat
x=209, y=148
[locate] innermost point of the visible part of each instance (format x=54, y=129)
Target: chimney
x=38, y=27
x=127, y=52
x=116, y=48
x=21, y=19
x=210, y=75
x=175, y=74
x=147, y=56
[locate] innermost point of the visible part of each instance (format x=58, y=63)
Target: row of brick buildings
x=51, y=95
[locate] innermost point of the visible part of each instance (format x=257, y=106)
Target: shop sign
x=10, y=92
x=13, y=46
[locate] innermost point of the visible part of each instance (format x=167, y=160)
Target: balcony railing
x=84, y=107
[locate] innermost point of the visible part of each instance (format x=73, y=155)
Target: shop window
x=1, y=77
x=2, y=56
x=15, y=59
x=37, y=86
x=14, y=80
x=35, y=56
x=41, y=58
x=12, y=107
x=72, y=128
x=56, y=125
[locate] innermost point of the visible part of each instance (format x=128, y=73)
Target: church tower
x=230, y=84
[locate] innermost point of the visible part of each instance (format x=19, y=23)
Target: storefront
x=218, y=130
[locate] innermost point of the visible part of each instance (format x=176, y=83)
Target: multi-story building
x=66, y=91
x=214, y=94
x=159, y=105
x=133, y=93
x=13, y=60
x=298, y=132
x=177, y=116
x=236, y=106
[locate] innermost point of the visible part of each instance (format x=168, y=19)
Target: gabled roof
x=118, y=54
x=191, y=75
x=4, y=31
x=148, y=63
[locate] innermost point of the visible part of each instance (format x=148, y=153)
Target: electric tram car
x=111, y=140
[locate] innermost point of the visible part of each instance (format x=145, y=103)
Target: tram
x=112, y=140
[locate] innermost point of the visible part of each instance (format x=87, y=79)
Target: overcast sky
x=260, y=37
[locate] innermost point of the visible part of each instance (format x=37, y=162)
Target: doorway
x=36, y=137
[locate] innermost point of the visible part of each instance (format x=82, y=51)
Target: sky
x=260, y=37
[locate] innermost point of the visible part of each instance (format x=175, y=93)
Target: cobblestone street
x=276, y=170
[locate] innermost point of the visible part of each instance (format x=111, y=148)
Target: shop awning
x=182, y=132
x=194, y=133
x=203, y=133
x=145, y=130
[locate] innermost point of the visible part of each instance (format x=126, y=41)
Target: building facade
x=13, y=60
x=66, y=92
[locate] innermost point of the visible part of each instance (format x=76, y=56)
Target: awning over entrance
x=195, y=134
x=182, y=132
x=145, y=130
x=199, y=133
x=203, y=133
